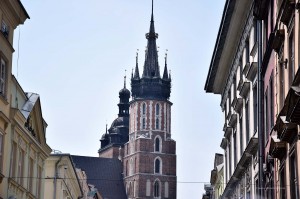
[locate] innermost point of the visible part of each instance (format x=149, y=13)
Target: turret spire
x=151, y=67
x=136, y=73
x=165, y=75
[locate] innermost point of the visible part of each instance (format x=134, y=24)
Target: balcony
x=285, y=131
x=252, y=71
x=245, y=88
x=277, y=148
x=227, y=131
x=237, y=104
x=232, y=120
x=288, y=10
x=223, y=144
x=278, y=40
x=293, y=105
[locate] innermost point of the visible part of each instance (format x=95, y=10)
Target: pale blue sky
x=74, y=54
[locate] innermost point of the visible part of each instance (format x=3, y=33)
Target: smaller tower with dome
x=117, y=135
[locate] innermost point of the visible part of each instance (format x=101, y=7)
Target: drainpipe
x=55, y=177
x=260, y=115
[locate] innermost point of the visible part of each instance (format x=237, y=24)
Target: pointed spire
x=106, y=129
x=136, y=73
x=165, y=75
x=125, y=81
x=151, y=67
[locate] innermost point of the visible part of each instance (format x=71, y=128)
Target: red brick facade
x=150, y=154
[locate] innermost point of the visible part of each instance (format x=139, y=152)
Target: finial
x=125, y=79
x=152, y=12
x=106, y=128
x=137, y=56
x=166, y=56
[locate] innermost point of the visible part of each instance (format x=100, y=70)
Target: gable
x=34, y=120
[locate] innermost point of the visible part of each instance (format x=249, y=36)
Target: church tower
x=113, y=140
x=150, y=154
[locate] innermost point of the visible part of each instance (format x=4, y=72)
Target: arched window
x=131, y=167
x=156, y=189
x=157, y=165
x=148, y=185
x=144, y=109
x=166, y=189
x=157, y=116
x=157, y=110
x=144, y=123
x=157, y=144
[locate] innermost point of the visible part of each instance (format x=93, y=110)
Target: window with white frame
x=157, y=146
x=157, y=116
x=157, y=166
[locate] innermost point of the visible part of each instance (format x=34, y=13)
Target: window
x=247, y=121
x=131, y=167
x=271, y=102
x=229, y=158
x=293, y=177
x=156, y=189
x=255, y=107
x=157, y=110
x=144, y=109
x=235, y=148
x=39, y=182
x=157, y=144
x=13, y=159
x=21, y=167
x=282, y=81
x=4, y=29
x=266, y=108
x=291, y=58
x=144, y=123
x=148, y=185
x=157, y=166
x=247, y=51
x=1, y=151
x=166, y=189
x=282, y=183
x=2, y=77
x=241, y=135
x=30, y=174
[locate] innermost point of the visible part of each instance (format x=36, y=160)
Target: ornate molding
x=238, y=55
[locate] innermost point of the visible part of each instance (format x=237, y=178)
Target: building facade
x=150, y=154
x=279, y=33
x=23, y=147
x=233, y=75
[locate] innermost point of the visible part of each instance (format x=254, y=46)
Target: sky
x=74, y=54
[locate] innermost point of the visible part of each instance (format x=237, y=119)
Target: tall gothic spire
x=151, y=67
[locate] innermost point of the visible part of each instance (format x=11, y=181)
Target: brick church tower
x=150, y=154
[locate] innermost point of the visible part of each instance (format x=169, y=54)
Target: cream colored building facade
x=62, y=181
x=23, y=147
